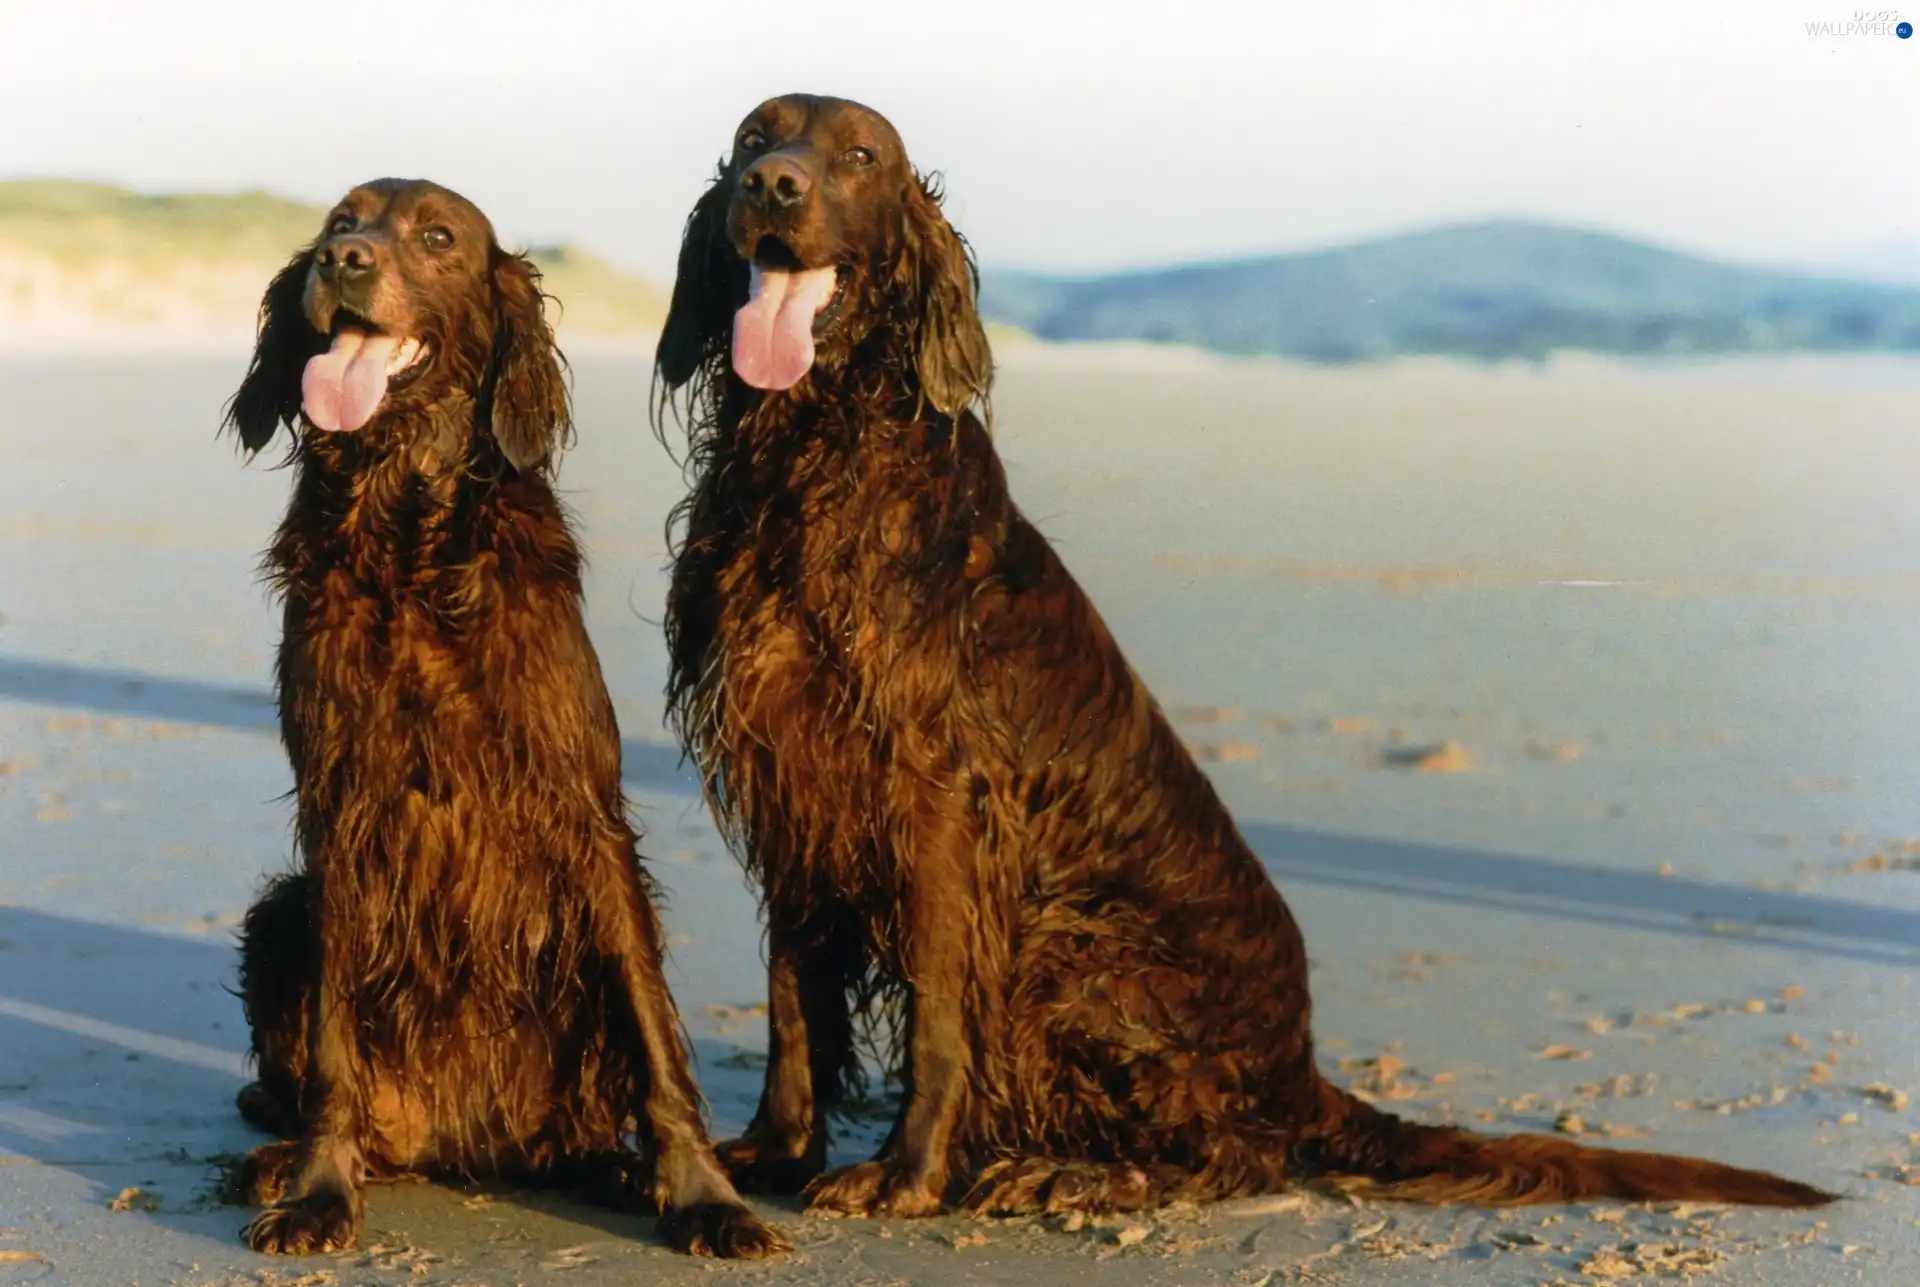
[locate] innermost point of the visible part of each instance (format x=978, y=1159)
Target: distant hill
x=1484, y=291
x=80, y=259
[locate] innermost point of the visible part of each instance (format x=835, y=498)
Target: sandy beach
x=1574, y=708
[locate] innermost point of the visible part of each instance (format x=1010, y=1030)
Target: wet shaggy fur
x=463, y=974
x=949, y=784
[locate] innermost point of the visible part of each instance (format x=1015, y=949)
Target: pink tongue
x=342, y=388
x=773, y=331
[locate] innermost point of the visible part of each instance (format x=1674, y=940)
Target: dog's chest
x=408, y=644
x=796, y=629
x=822, y=607
x=811, y=701
x=381, y=654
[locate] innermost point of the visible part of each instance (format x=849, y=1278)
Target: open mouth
x=342, y=389
x=772, y=254
x=824, y=320
x=788, y=306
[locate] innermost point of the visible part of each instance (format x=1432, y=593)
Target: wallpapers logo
x=1865, y=22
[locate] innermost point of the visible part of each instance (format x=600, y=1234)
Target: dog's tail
x=1377, y=1155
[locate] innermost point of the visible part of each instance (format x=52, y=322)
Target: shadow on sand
x=1519, y=883
x=650, y=766
x=1592, y=894
x=120, y=1052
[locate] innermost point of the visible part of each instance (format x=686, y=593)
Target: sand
x=1664, y=620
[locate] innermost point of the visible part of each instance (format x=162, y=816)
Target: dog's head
x=405, y=302
x=817, y=246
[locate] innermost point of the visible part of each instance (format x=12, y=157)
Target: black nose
x=777, y=182
x=346, y=259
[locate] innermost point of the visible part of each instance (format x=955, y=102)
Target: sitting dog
x=949, y=783
x=464, y=974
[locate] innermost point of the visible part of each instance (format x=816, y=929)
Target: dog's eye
x=752, y=140
x=438, y=239
x=859, y=156
x=339, y=224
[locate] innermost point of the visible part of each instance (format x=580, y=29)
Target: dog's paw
x=882, y=1189
x=321, y=1221
x=260, y=1179
x=721, y=1230
x=1011, y=1188
x=756, y=1164
x=1030, y=1186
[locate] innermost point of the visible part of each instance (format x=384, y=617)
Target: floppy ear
x=270, y=395
x=941, y=284
x=524, y=397
x=711, y=283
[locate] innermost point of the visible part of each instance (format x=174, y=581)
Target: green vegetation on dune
x=78, y=224
x=595, y=297
x=1486, y=291
x=86, y=254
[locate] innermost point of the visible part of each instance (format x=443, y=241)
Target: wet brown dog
x=464, y=974
x=948, y=781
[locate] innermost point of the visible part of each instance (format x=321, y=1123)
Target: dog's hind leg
x=276, y=986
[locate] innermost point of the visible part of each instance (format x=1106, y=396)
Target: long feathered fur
x=947, y=781
x=468, y=898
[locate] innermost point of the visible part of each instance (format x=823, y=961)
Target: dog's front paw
x=721, y=1230
x=873, y=1189
x=322, y=1221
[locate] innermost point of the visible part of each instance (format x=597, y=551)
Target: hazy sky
x=1072, y=135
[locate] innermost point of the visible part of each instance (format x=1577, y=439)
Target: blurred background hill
x=84, y=259
x=1490, y=290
